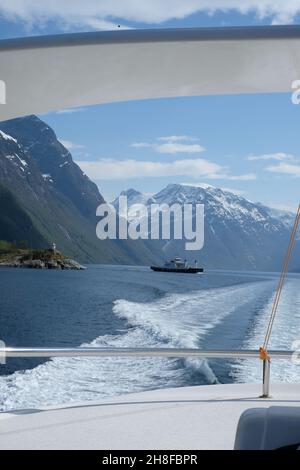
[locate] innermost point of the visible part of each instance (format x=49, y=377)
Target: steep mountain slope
x=56, y=195
x=239, y=234
x=55, y=162
x=15, y=224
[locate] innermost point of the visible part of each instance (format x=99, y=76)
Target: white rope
x=281, y=281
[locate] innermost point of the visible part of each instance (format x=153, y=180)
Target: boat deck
x=203, y=417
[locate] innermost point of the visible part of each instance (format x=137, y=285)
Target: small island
x=49, y=258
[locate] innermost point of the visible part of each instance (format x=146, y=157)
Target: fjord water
x=122, y=306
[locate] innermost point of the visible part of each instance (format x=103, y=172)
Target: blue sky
x=247, y=143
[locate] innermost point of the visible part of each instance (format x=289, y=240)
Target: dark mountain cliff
x=38, y=173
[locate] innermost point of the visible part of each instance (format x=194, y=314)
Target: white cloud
x=279, y=156
x=102, y=25
x=283, y=207
x=110, y=169
x=172, y=145
x=177, y=147
x=71, y=145
x=285, y=168
x=99, y=14
x=140, y=145
x=124, y=169
x=245, y=177
x=177, y=138
x=69, y=110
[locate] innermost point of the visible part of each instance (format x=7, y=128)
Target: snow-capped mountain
x=133, y=197
x=45, y=197
x=286, y=217
x=239, y=234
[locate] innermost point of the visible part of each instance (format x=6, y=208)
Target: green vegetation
x=44, y=255
x=10, y=250
x=6, y=246
x=12, y=256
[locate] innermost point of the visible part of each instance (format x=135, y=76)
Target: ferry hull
x=177, y=270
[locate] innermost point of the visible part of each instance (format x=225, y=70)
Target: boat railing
x=9, y=352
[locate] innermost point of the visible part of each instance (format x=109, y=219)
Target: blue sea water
x=123, y=306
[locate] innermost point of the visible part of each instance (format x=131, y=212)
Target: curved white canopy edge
x=48, y=73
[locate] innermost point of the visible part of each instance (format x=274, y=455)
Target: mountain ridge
x=239, y=234
x=51, y=199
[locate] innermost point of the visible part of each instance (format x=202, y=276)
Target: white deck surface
x=203, y=417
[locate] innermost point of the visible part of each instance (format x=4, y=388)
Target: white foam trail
x=184, y=319
x=65, y=380
x=286, y=329
x=176, y=320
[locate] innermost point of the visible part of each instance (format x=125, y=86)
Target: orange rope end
x=263, y=354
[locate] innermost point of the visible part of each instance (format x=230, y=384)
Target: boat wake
x=175, y=320
x=285, y=331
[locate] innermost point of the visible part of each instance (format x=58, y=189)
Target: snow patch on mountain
x=286, y=217
x=17, y=160
x=7, y=137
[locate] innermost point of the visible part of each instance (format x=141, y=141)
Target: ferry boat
x=177, y=265
x=249, y=60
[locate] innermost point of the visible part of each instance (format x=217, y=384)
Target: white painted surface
x=203, y=417
x=50, y=77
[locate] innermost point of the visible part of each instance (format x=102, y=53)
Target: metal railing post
x=266, y=378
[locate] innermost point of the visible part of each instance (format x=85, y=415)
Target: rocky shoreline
x=41, y=262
